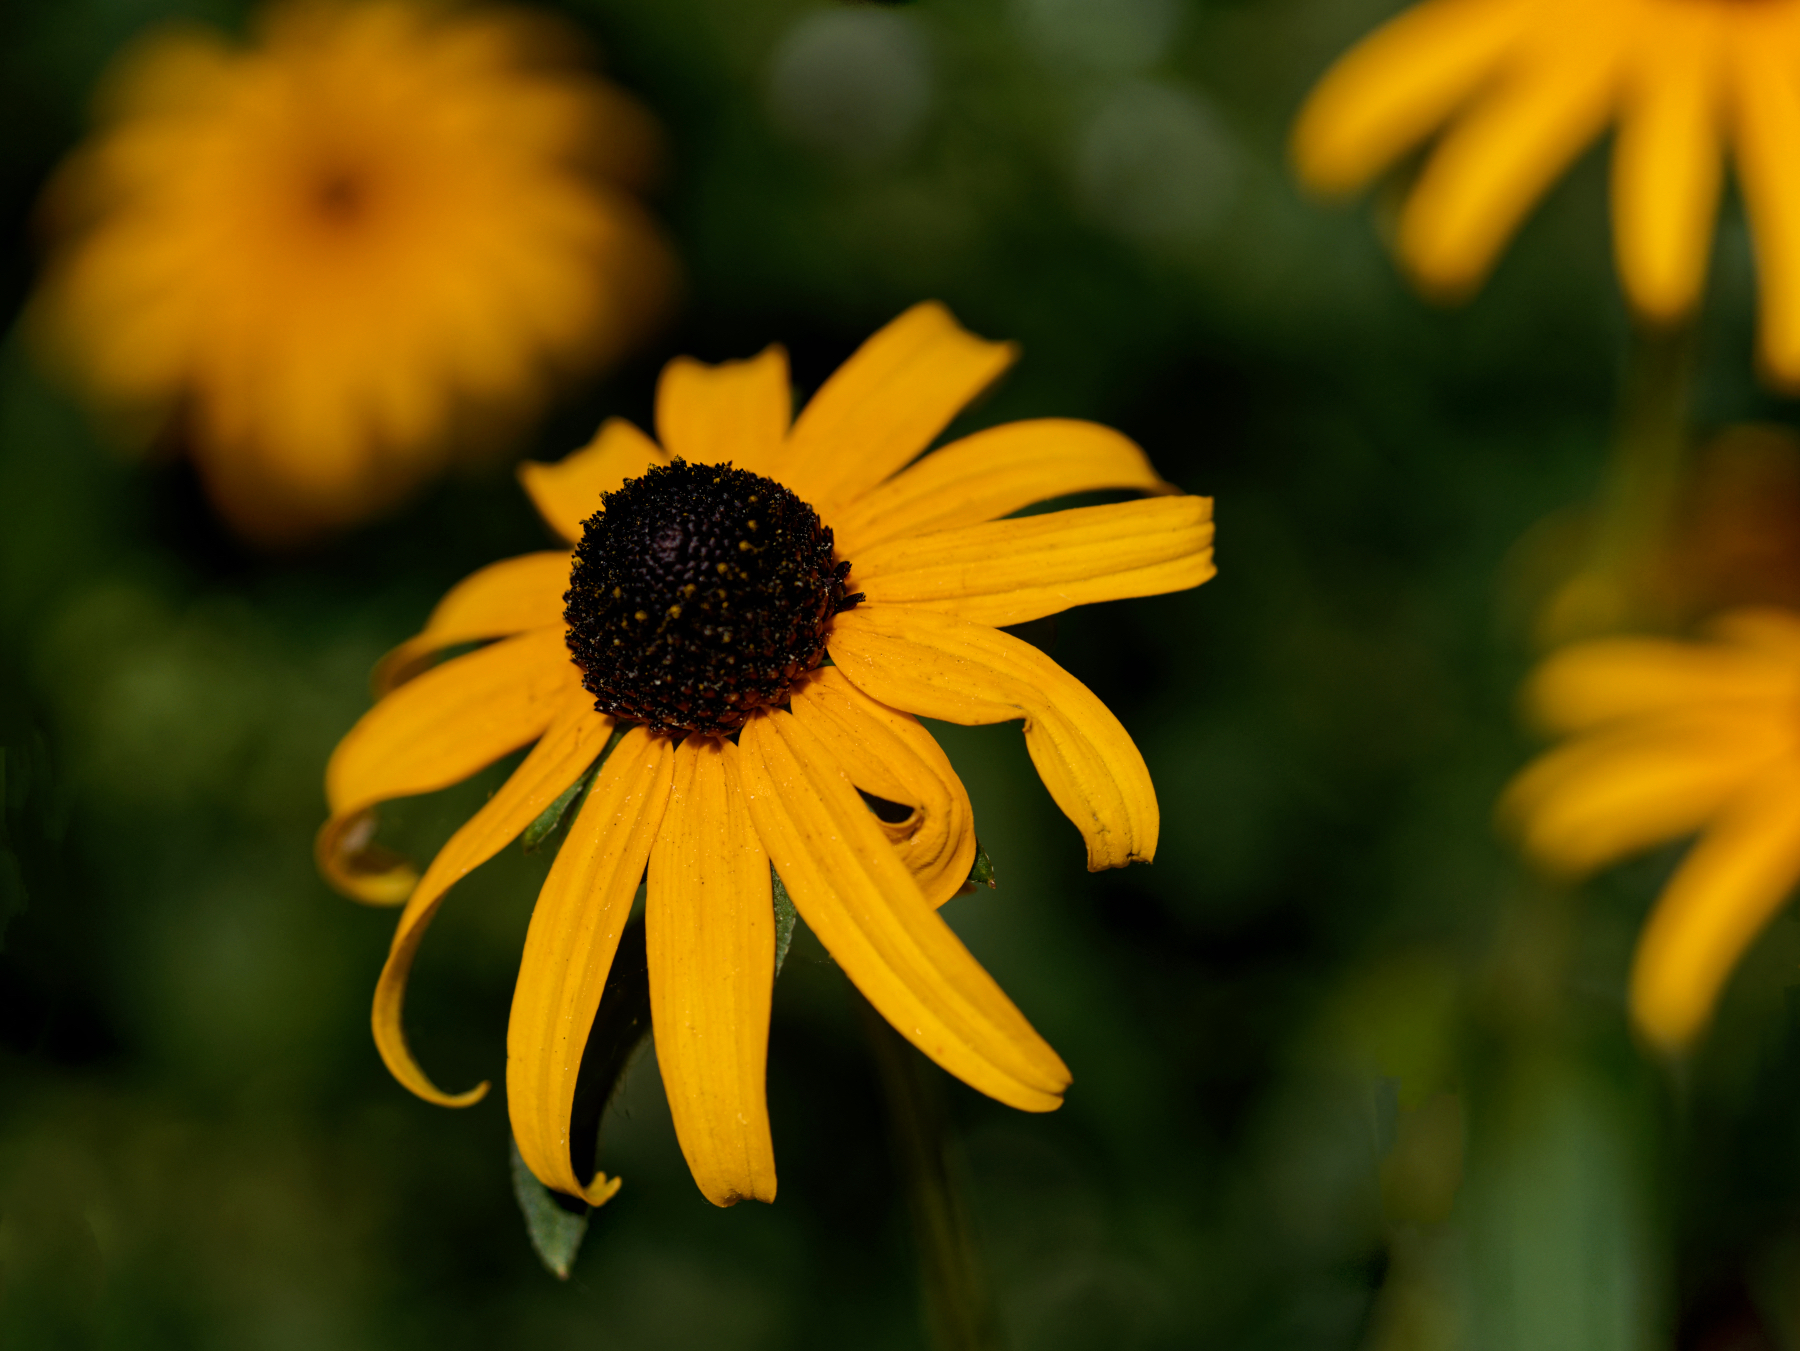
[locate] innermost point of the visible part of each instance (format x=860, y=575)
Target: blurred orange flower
x=336, y=253
x=1525, y=85
x=709, y=577
x=1668, y=738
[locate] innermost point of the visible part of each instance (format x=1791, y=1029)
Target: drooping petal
x=938, y=666
x=1007, y=572
x=1767, y=141
x=1604, y=796
x=709, y=931
x=1723, y=894
x=1596, y=682
x=434, y=731
x=856, y=895
x=569, y=948
x=991, y=474
x=566, y=749
x=890, y=754
x=884, y=405
x=568, y=492
x=500, y=600
x=1667, y=161
x=737, y=411
x=1493, y=165
x=1398, y=85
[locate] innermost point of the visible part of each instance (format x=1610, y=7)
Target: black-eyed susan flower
x=1523, y=86
x=711, y=575
x=333, y=252
x=1666, y=738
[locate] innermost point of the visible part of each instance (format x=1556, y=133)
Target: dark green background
x=198, y=1145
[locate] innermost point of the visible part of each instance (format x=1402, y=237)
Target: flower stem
x=958, y=1307
x=1639, y=498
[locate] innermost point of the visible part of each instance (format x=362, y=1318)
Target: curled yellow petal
x=434, y=731
x=884, y=405
x=709, y=932
x=1398, y=85
x=737, y=411
x=939, y=666
x=890, y=754
x=1493, y=165
x=568, y=492
x=1668, y=163
x=1724, y=893
x=855, y=894
x=1596, y=682
x=991, y=474
x=500, y=600
x=1007, y=572
x=569, y=948
x=565, y=750
x=1612, y=793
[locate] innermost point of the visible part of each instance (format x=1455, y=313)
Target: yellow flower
x=329, y=252
x=1526, y=85
x=711, y=575
x=1668, y=738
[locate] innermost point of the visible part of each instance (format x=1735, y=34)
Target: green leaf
x=785, y=915
x=556, y=1233
x=556, y=1223
x=551, y=817
x=981, y=872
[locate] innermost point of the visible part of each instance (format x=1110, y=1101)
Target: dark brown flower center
x=699, y=593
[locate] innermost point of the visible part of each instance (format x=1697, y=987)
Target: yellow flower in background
x=711, y=575
x=364, y=244
x=1521, y=87
x=1667, y=738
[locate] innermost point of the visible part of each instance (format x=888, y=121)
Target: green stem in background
x=1644, y=483
x=958, y=1306
x=1639, y=499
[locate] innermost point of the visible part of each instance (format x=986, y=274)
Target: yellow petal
x=1006, y=572
x=1767, y=142
x=568, y=747
x=356, y=865
x=1667, y=163
x=992, y=474
x=502, y=599
x=890, y=754
x=1726, y=890
x=884, y=405
x=709, y=931
x=569, y=948
x=1398, y=85
x=1596, y=682
x=1494, y=164
x=737, y=411
x=432, y=732
x=568, y=492
x=1610, y=794
x=938, y=666
x=859, y=899
x=1771, y=632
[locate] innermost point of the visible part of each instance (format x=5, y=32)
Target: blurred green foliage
x=1344, y=1076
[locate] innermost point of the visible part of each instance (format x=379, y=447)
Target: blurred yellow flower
x=363, y=244
x=1668, y=738
x=1526, y=85
x=710, y=576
